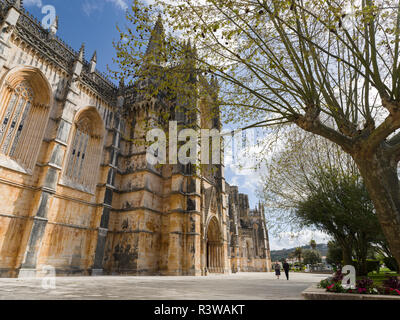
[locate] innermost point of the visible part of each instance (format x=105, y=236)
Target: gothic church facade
x=77, y=194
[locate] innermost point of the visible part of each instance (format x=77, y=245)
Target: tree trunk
x=347, y=256
x=347, y=250
x=381, y=180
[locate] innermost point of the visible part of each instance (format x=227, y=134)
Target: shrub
x=338, y=276
x=336, y=287
x=390, y=286
x=325, y=283
x=392, y=282
x=365, y=285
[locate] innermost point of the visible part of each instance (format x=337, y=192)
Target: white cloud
x=287, y=240
x=89, y=6
x=30, y=3
x=121, y=4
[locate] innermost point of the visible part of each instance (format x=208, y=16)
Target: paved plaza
x=241, y=286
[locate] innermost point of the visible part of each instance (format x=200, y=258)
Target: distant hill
x=277, y=255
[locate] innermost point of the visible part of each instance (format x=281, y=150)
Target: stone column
x=215, y=257
x=218, y=258
x=97, y=268
x=221, y=258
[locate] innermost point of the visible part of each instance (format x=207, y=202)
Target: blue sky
x=94, y=23
x=90, y=21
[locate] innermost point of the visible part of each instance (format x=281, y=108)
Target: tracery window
x=84, y=156
x=14, y=117
x=24, y=110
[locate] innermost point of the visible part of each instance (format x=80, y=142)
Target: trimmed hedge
x=372, y=265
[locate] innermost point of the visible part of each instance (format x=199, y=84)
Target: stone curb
x=315, y=293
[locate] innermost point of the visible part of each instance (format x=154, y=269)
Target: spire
x=94, y=57
x=121, y=92
x=79, y=61
x=159, y=25
x=93, y=62
x=19, y=4
x=122, y=83
x=155, y=47
x=54, y=27
x=81, y=54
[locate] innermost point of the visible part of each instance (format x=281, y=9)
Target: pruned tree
x=331, y=70
x=335, y=254
x=298, y=253
x=290, y=175
x=311, y=257
x=313, y=244
x=340, y=206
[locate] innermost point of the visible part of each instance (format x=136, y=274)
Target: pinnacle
x=94, y=57
x=81, y=54
x=19, y=4
x=55, y=22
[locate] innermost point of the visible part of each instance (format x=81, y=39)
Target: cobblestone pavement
x=242, y=286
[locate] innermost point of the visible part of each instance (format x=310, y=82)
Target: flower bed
x=390, y=286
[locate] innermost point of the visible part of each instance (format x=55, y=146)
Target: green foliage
x=325, y=283
x=336, y=287
x=335, y=253
x=340, y=206
x=298, y=252
x=311, y=257
x=370, y=266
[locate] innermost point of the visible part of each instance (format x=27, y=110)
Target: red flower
x=361, y=290
x=331, y=286
x=398, y=291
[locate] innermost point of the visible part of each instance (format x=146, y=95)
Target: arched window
x=14, y=116
x=84, y=155
x=24, y=110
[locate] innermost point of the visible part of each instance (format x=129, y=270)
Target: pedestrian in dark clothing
x=286, y=267
x=277, y=268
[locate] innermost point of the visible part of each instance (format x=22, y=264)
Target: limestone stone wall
x=249, y=244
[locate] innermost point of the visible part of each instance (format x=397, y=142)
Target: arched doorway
x=215, y=255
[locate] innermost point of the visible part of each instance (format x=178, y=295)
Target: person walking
x=286, y=267
x=277, y=268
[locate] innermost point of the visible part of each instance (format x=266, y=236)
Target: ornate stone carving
x=29, y=30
